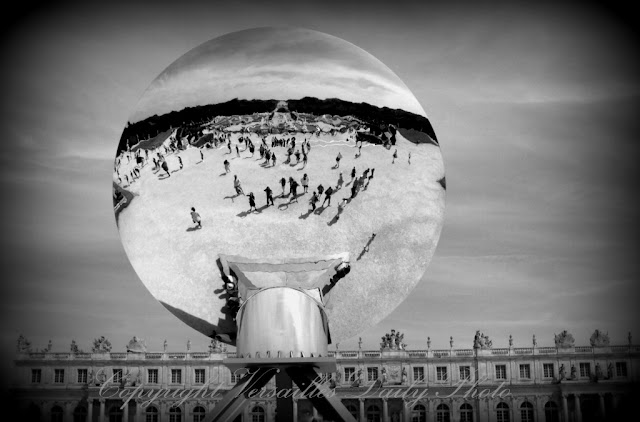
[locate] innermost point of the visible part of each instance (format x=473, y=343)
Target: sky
x=535, y=110
x=274, y=63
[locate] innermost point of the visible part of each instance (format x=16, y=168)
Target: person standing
x=409, y=157
x=294, y=189
x=353, y=173
x=180, y=161
x=252, y=202
x=320, y=189
x=395, y=155
x=227, y=166
x=283, y=182
x=273, y=159
x=237, y=151
x=269, y=197
x=338, y=158
x=305, y=183
x=196, y=217
x=201, y=156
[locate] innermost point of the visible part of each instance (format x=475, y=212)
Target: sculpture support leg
x=284, y=403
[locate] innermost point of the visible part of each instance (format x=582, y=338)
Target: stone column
x=385, y=410
x=603, y=413
x=362, y=416
x=90, y=410
x=125, y=414
x=138, y=411
x=578, y=410
x=406, y=412
x=565, y=409
x=295, y=410
x=102, y=412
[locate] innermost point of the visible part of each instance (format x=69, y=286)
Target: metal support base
x=304, y=375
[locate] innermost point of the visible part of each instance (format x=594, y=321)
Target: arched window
x=466, y=413
x=551, y=413
x=353, y=410
x=115, y=414
x=80, y=414
x=373, y=414
x=502, y=413
x=199, y=413
x=175, y=414
x=526, y=412
x=57, y=414
x=151, y=414
x=442, y=413
x=257, y=414
x=419, y=413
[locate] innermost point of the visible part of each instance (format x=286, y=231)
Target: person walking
x=409, y=157
x=327, y=196
x=320, y=189
x=305, y=183
x=236, y=185
x=201, y=156
x=237, y=151
x=283, y=182
x=196, y=217
x=227, y=166
x=180, y=161
x=294, y=189
x=341, y=206
x=252, y=202
x=313, y=200
x=340, y=182
x=353, y=173
x=338, y=158
x=269, y=197
x=273, y=159
x=165, y=167
x=395, y=155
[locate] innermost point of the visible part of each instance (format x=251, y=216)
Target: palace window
x=152, y=376
x=442, y=413
x=58, y=376
x=418, y=374
x=176, y=376
x=175, y=414
x=199, y=376
x=585, y=369
x=441, y=373
x=115, y=414
x=465, y=373
x=501, y=372
x=551, y=413
x=419, y=413
x=57, y=414
x=117, y=375
x=525, y=371
x=547, y=370
x=466, y=413
x=80, y=414
x=36, y=376
x=526, y=412
x=353, y=410
x=257, y=414
x=151, y=414
x=235, y=377
x=373, y=414
x=621, y=369
x=502, y=412
x=349, y=373
x=199, y=413
x=372, y=374
x=82, y=376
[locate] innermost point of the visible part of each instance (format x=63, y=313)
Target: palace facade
x=391, y=384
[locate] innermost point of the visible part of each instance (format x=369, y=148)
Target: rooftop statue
x=101, y=345
x=24, y=345
x=564, y=340
x=599, y=339
x=481, y=341
x=136, y=345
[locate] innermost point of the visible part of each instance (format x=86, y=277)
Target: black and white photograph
x=320, y=211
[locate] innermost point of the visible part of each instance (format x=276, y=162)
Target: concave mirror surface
x=223, y=111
